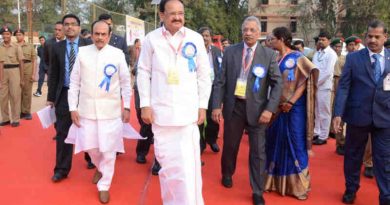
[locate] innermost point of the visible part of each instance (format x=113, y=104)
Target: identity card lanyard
x=176, y=51
x=245, y=67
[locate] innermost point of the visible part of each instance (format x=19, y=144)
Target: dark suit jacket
x=217, y=54
x=120, y=42
x=359, y=100
x=256, y=103
x=57, y=68
x=47, y=50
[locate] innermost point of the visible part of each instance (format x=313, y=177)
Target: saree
x=288, y=138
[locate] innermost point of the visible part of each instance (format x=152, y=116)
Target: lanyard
x=176, y=51
x=244, y=66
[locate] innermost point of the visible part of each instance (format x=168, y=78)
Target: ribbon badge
x=259, y=72
x=290, y=65
x=189, y=52
x=109, y=71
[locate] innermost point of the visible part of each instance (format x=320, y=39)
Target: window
x=293, y=24
x=263, y=23
x=295, y=2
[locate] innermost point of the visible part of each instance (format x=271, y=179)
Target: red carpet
x=28, y=156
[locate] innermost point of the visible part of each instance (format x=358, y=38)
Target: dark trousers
x=208, y=130
x=233, y=131
x=42, y=71
x=143, y=146
x=356, y=140
x=64, y=151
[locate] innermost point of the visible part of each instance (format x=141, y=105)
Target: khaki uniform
x=10, y=90
x=30, y=56
x=338, y=68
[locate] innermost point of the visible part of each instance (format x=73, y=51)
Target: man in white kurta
x=325, y=60
x=174, y=86
x=99, y=81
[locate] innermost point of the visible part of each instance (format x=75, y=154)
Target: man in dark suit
x=115, y=40
x=249, y=88
x=363, y=102
x=63, y=55
x=58, y=36
x=209, y=132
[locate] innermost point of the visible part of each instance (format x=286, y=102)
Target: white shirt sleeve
x=125, y=81
x=327, y=72
x=144, y=73
x=74, y=86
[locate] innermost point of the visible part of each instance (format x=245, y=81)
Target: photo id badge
x=240, y=88
x=173, y=76
x=386, y=83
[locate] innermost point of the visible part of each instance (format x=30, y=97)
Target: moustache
x=176, y=21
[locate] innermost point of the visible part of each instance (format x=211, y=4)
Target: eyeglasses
x=180, y=13
x=71, y=24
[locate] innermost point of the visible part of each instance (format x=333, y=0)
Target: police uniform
x=30, y=56
x=10, y=91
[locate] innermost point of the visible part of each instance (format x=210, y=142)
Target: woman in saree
x=290, y=133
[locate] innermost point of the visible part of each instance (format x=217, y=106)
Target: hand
x=49, y=103
x=75, y=118
x=126, y=116
x=32, y=79
x=285, y=107
x=265, y=117
x=146, y=115
x=201, y=116
x=216, y=115
x=337, y=124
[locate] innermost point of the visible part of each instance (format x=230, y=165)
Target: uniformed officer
x=12, y=79
x=30, y=56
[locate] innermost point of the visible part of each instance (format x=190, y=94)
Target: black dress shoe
x=90, y=165
x=5, y=123
x=368, y=172
x=26, y=116
x=57, y=177
x=140, y=159
x=349, y=197
x=227, y=182
x=340, y=150
x=156, y=168
x=214, y=147
x=15, y=124
x=257, y=199
x=319, y=141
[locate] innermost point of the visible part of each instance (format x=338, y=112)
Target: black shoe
x=315, y=137
x=319, y=141
x=257, y=199
x=227, y=182
x=340, y=150
x=214, y=147
x=349, y=197
x=5, y=123
x=140, y=159
x=57, y=177
x=332, y=135
x=156, y=168
x=15, y=124
x=26, y=116
x=90, y=165
x=368, y=172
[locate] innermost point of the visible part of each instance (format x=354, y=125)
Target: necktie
x=377, y=67
x=72, y=57
x=248, y=56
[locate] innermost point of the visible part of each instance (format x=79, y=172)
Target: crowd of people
x=285, y=99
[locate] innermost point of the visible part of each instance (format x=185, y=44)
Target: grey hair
x=251, y=18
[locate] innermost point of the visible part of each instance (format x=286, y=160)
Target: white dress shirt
x=325, y=60
x=84, y=95
x=173, y=105
x=381, y=59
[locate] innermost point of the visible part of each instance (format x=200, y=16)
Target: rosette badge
x=290, y=65
x=259, y=72
x=189, y=52
x=109, y=71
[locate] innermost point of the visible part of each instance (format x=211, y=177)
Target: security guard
x=12, y=79
x=30, y=56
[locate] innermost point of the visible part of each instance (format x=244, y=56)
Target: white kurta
x=99, y=107
x=175, y=110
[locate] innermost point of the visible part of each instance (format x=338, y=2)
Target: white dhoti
x=323, y=114
x=177, y=150
x=102, y=139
